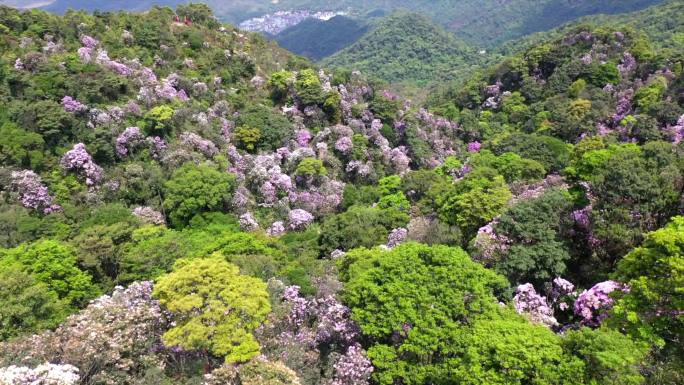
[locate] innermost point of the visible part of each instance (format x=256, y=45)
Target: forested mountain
x=408, y=47
x=317, y=39
x=184, y=202
x=480, y=22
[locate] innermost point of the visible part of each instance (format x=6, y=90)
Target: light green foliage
x=512, y=166
x=610, y=358
x=652, y=310
x=308, y=87
x=474, y=201
x=152, y=252
x=577, y=87
x=451, y=165
x=26, y=305
x=648, y=97
x=53, y=264
x=215, y=308
x=510, y=350
x=195, y=189
x=159, y=118
x=279, y=84
x=247, y=137
x=311, y=167
x=427, y=295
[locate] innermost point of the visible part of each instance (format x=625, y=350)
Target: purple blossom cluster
x=33, y=194
x=474, y=146
x=77, y=159
x=627, y=65
x=248, y=222
x=72, y=105
x=527, y=301
x=353, y=368
x=303, y=137
x=592, y=305
x=396, y=237
x=132, y=136
x=623, y=106
x=276, y=229
x=89, y=42
x=344, y=145
x=149, y=215
x=196, y=142
x=489, y=245
x=400, y=159
x=299, y=219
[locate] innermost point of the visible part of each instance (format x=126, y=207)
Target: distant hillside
x=486, y=23
x=406, y=47
x=481, y=22
x=60, y=6
x=317, y=39
x=660, y=23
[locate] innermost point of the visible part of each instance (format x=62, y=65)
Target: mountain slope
x=317, y=39
x=61, y=6
x=406, y=47
x=659, y=23
x=481, y=22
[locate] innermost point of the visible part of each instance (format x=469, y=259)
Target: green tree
x=308, y=87
x=19, y=147
x=247, y=137
x=426, y=297
x=194, y=189
x=159, y=118
x=54, y=264
x=26, y=305
x=215, y=308
x=474, y=201
x=537, y=252
x=610, y=358
x=653, y=308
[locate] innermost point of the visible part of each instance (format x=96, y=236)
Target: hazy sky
x=26, y=3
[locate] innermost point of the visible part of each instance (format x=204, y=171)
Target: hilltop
x=408, y=47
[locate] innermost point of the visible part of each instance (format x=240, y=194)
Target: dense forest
x=183, y=202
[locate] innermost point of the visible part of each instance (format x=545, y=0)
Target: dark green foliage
x=195, y=189
x=274, y=129
x=407, y=47
x=317, y=39
x=537, y=250
x=358, y=227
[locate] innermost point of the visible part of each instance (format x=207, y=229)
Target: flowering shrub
x=72, y=105
x=45, y=374
x=299, y=219
x=149, y=215
x=113, y=340
x=32, y=193
x=527, y=301
x=129, y=138
x=592, y=305
x=77, y=159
